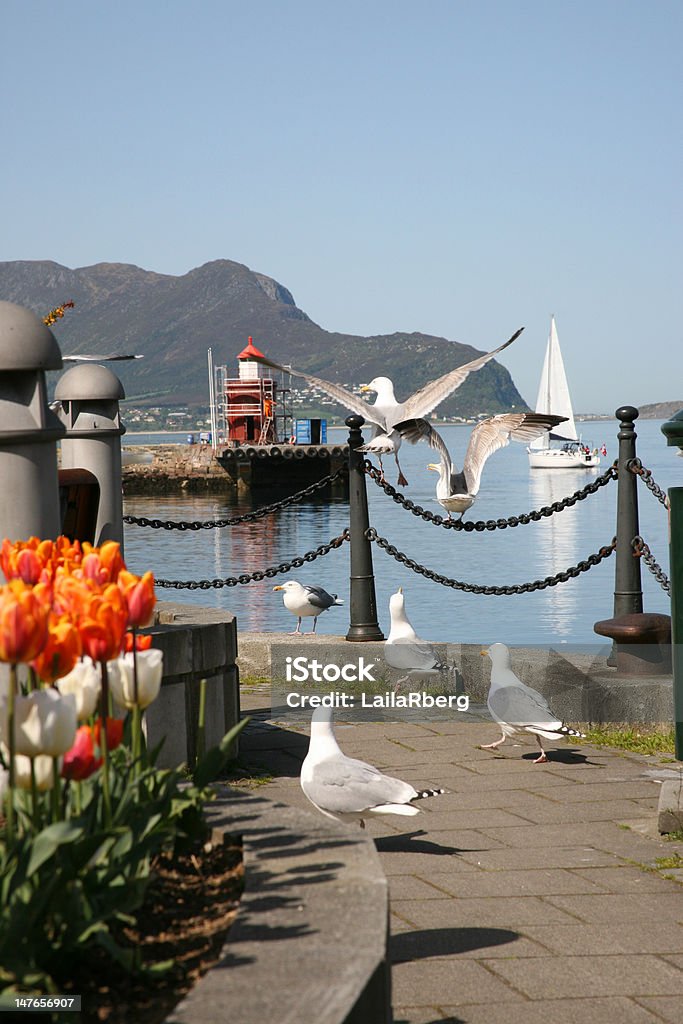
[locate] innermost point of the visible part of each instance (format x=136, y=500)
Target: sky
x=456, y=167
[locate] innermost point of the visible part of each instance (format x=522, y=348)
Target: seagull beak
x=400, y=590
x=433, y=465
x=364, y=387
x=278, y=587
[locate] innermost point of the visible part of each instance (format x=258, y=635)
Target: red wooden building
x=249, y=401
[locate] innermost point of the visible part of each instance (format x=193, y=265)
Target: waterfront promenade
x=527, y=893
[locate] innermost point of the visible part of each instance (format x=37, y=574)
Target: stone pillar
x=89, y=396
x=29, y=430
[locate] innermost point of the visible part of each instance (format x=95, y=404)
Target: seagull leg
x=543, y=757
x=297, y=631
x=402, y=482
x=492, y=746
x=381, y=468
x=315, y=622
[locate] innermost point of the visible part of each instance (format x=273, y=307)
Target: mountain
x=659, y=410
x=172, y=321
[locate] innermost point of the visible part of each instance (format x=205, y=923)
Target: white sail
x=553, y=394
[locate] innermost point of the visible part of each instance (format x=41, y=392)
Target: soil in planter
x=186, y=915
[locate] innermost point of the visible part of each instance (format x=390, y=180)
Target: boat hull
x=557, y=458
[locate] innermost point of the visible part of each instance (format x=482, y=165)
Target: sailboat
x=553, y=397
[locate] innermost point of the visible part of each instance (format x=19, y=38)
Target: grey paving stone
x=497, y=911
x=455, y=981
x=514, y=883
x=561, y=1011
x=594, y=939
x=442, y=821
x=615, y=909
x=417, y=1015
x=628, y=879
x=544, y=857
x=597, y=810
x=667, y=1008
x=582, y=976
x=474, y=942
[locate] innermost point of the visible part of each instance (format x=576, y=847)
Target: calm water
x=564, y=613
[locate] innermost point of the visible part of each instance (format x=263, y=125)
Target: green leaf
x=47, y=841
x=211, y=765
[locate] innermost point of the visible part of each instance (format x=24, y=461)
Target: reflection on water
x=564, y=613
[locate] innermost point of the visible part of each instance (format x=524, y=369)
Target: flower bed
x=88, y=817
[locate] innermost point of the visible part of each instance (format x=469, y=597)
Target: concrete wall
x=197, y=643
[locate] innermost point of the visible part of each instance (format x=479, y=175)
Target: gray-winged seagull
x=305, y=601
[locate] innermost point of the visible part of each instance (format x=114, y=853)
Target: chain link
x=246, y=517
x=636, y=466
x=251, y=577
x=642, y=550
x=489, y=524
x=476, y=588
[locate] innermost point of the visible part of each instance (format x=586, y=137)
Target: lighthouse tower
x=250, y=400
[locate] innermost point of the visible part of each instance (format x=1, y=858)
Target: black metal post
x=673, y=431
x=363, y=624
x=628, y=591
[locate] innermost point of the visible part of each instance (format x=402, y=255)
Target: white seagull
x=305, y=601
x=387, y=415
x=518, y=708
x=457, y=490
x=404, y=650
x=349, y=790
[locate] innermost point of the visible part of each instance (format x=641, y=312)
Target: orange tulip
x=114, y=732
x=139, y=596
x=102, y=564
x=142, y=643
x=61, y=651
x=23, y=622
x=103, y=626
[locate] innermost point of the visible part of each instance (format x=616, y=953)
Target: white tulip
x=44, y=723
x=43, y=770
x=150, y=671
x=84, y=683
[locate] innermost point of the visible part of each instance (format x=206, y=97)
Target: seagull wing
x=111, y=358
x=414, y=655
x=343, y=785
x=522, y=706
x=336, y=391
x=427, y=398
x=496, y=432
x=319, y=598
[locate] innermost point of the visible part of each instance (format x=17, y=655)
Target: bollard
x=673, y=431
x=89, y=395
x=29, y=430
x=628, y=591
x=363, y=624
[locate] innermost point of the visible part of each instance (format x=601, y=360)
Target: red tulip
x=80, y=762
x=114, y=732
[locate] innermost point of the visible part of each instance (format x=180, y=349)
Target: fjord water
x=561, y=614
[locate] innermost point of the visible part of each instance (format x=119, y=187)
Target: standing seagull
x=387, y=415
x=404, y=650
x=349, y=790
x=456, y=491
x=304, y=601
x=518, y=708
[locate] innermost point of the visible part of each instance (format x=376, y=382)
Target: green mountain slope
x=172, y=321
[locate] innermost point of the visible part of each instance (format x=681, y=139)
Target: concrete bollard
x=89, y=395
x=673, y=431
x=29, y=430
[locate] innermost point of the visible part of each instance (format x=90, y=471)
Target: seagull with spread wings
x=387, y=415
x=457, y=490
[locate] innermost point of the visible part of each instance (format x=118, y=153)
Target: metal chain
x=489, y=524
x=251, y=577
x=246, y=517
x=636, y=466
x=476, y=588
x=642, y=550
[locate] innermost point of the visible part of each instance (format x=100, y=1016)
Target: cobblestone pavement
x=527, y=893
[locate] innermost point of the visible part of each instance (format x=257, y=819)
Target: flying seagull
x=404, y=650
x=98, y=359
x=387, y=414
x=519, y=708
x=305, y=601
x=457, y=490
x=349, y=790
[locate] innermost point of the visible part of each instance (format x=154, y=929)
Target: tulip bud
x=121, y=680
x=83, y=682
x=44, y=723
